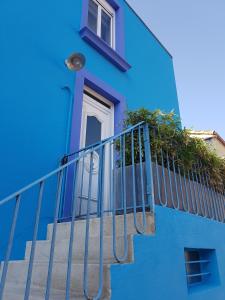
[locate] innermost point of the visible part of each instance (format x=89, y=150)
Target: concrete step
x=16, y=292
x=63, y=229
x=17, y=274
x=42, y=251
x=17, y=270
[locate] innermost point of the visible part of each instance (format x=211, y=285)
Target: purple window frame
x=114, y=56
x=84, y=78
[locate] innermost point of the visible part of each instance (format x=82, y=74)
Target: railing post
x=9, y=247
x=148, y=166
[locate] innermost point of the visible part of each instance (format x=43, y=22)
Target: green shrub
x=167, y=137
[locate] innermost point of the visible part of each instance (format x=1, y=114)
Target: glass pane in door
x=93, y=131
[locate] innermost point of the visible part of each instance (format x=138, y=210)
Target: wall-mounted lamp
x=75, y=62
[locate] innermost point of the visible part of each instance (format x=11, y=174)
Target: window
x=102, y=27
x=193, y=267
x=201, y=268
x=101, y=20
x=93, y=131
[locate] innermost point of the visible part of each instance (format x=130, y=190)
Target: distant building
x=212, y=138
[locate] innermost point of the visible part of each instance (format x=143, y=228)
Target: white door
x=97, y=124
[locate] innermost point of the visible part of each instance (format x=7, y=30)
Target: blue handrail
x=133, y=176
x=90, y=148
x=109, y=147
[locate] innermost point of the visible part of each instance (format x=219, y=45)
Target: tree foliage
x=168, y=137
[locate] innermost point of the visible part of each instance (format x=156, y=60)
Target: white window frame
x=103, y=5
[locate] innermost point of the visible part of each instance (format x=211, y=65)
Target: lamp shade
x=75, y=62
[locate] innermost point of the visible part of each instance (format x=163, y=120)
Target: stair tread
x=63, y=229
x=37, y=293
x=61, y=250
x=17, y=270
x=17, y=274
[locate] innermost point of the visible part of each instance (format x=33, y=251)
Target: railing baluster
x=197, y=189
x=212, y=196
x=223, y=202
x=163, y=171
x=52, y=248
x=175, y=180
x=72, y=231
x=134, y=183
x=186, y=207
x=164, y=178
x=203, y=189
x=195, y=193
x=33, y=245
x=111, y=175
x=191, y=194
x=200, y=187
x=101, y=200
x=170, y=181
x=149, y=173
x=10, y=245
x=209, y=198
x=157, y=172
x=206, y=197
x=215, y=203
x=87, y=232
x=142, y=180
x=181, y=185
x=220, y=203
x=81, y=187
x=123, y=192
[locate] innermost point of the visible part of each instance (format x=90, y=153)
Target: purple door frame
x=84, y=78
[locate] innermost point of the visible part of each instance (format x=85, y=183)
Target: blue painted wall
x=36, y=89
x=158, y=272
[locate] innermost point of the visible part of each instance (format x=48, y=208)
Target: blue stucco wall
x=36, y=90
x=158, y=272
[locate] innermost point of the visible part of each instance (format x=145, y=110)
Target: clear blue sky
x=194, y=33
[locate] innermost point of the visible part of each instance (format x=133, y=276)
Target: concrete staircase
x=17, y=270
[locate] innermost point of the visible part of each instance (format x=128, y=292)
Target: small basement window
x=101, y=20
x=201, y=268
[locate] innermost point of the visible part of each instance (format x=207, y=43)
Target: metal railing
x=190, y=188
x=114, y=177
x=98, y=172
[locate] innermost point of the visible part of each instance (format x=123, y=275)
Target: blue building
x=49, y=111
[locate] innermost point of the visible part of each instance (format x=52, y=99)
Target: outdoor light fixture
x=75, y=62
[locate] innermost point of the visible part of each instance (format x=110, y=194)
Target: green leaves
x=167, y=136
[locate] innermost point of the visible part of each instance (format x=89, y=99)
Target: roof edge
x=219, y=137
x=143, y=22
x=213, y=134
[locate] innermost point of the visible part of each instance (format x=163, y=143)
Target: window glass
x=101, y=19
x=193, y=268
x=92, y=16
x=93, y=131
x=106, y=28
x=201, y=269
